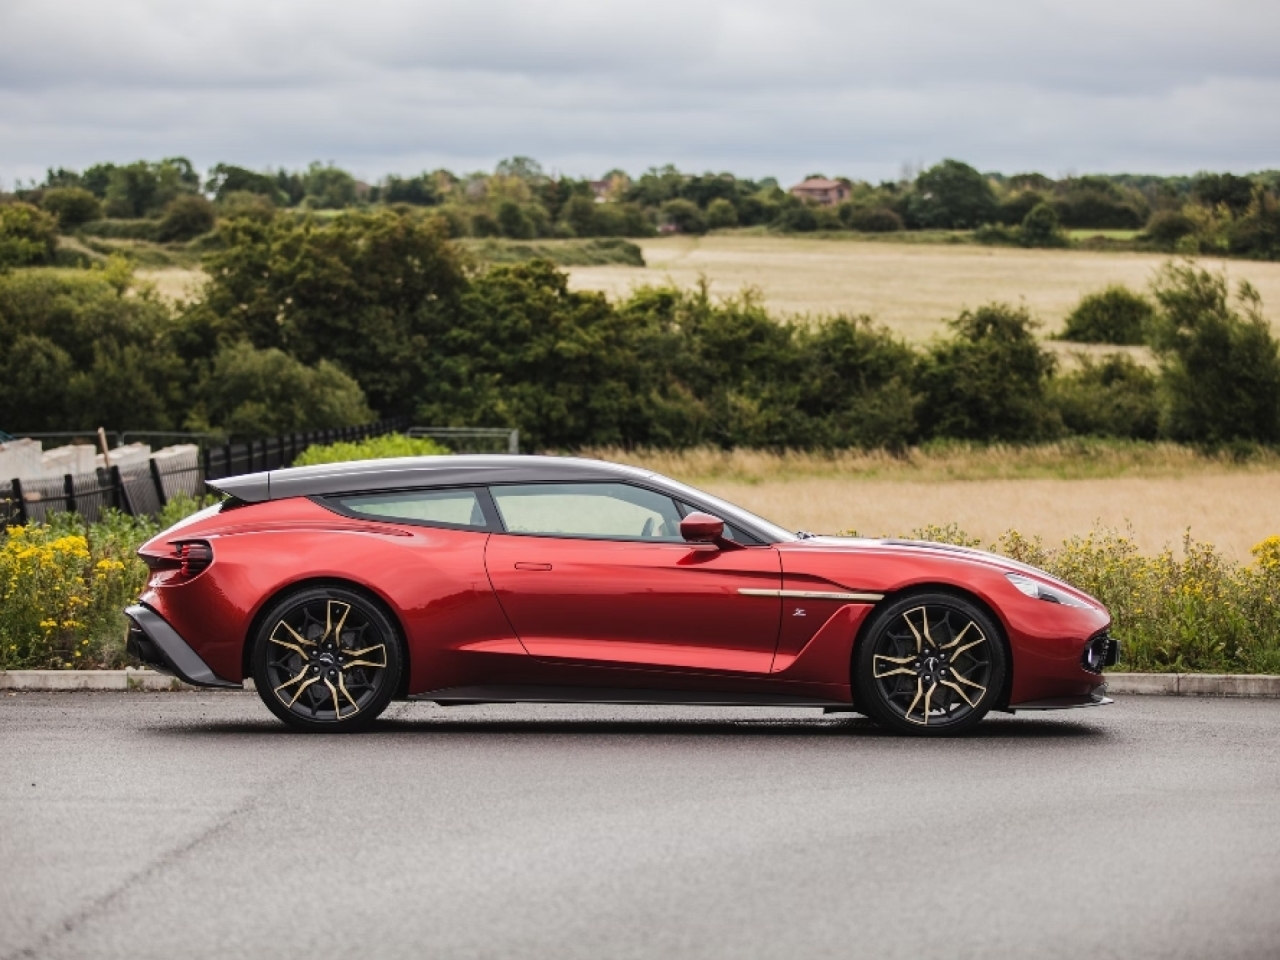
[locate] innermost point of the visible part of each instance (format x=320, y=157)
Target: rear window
x=453, y=508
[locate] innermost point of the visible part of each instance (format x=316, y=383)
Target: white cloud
x=750, y=86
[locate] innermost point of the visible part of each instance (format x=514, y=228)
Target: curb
x=1194, y=684
x=65, y=681
x=1125, y=684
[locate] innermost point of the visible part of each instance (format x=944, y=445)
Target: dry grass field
x=1053, y=492
x=908, y=286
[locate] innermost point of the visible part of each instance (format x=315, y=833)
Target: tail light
x=193, y=556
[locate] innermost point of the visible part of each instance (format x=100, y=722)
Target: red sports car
x=508, y=579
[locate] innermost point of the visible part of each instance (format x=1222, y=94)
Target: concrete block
x=21, y=459
x=1229, y=685
x=1152, y=684
x=130, y=455
x=77, y=458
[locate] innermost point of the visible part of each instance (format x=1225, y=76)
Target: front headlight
x=1042, y=591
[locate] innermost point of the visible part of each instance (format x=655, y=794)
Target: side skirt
x=458, y=696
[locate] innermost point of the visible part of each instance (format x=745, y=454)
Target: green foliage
x=721, y=214
x=1224, y=189
x=1111, y=397
x=28, y=235
x=241, y=203
x=1114, y=315
x=419, y=191
x=1256, y=233
x=374, y=448
x=122, y=229
x=514, y=222
x=142, y=189
x=684, y=216
x=1220, y=366
x=328, y=187
x=1040, y=228
x=88, y=348
x=1167, y=227
x=989, y=381
x=1099, y=203
x=185, y=217
x=226, y=179
x=952, y=195
x=870, y=219
x=71, y=205
x=371, y=292
x=564, y=253
x=258, y=393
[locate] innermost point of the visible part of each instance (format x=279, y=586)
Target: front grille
x=1101, y=650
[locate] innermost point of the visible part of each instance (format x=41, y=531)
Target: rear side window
x=454, y=508
x=614, y=511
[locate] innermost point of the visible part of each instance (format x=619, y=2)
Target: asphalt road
x=193, y=825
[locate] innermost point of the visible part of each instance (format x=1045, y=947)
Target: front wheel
x=930, y=665
x=326, y=659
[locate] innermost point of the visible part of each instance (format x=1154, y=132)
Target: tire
x=930, y=664
x=327, y=659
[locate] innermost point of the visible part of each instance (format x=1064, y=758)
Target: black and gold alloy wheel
x=929, y=664
x=326, y=659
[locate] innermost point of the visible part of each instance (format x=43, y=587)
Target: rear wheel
x=326, y=659
x=929, y=665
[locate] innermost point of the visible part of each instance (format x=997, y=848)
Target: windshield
x=731, y=514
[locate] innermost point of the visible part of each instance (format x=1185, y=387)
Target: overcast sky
x=758, y=87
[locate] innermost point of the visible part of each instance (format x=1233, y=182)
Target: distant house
x=820, y=190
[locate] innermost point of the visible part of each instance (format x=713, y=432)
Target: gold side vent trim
x=814, y=595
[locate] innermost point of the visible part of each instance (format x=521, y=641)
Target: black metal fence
x=234, y=459
x=144, y=488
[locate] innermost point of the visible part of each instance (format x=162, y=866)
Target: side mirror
x=704, y=528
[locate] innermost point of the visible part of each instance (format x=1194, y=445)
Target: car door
x=598, y=573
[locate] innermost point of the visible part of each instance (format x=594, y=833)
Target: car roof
x=362, y=476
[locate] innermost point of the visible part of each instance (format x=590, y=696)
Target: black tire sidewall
x=869, y=700
x=375, y=614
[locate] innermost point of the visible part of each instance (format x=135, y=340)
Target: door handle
x=533, y=566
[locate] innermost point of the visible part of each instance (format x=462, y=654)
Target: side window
x=608, y=510
x=456, y=508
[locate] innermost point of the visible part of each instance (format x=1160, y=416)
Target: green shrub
x=1040, y=228
x=1167, y=227
x=1220, y=367
x=514, y=222
x=988, y=382
x=28, y=235
x=259, y=393
x=244, y=203
x=185, y=218
x=122, y=229
x=1111, y=397
x=952, y=195
x=721, y=214
x=871, y=219
x=71, y=205
x=1115, y=315
x=684, y=216
x=374, y=448
x=1256, y=233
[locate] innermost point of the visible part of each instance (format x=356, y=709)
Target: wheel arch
x=296, y=586
x=962, y=593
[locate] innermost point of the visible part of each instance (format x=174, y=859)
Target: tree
x=952, y=196
x=71, y=205
x=684, y=215
x=185, y=218
x=28, y=235
x=988, y=381
x=513, y=221
x=1213, y=189
x=328, y=188
x=1114, y=315
x=226, y=179
x=371, y=292
x=1220, y=367
x=257, y=393
x=579, y=212
x=721, y=214
x=1040, y=228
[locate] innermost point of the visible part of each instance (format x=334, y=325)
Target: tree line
x=307, y=323
x=168, y=201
